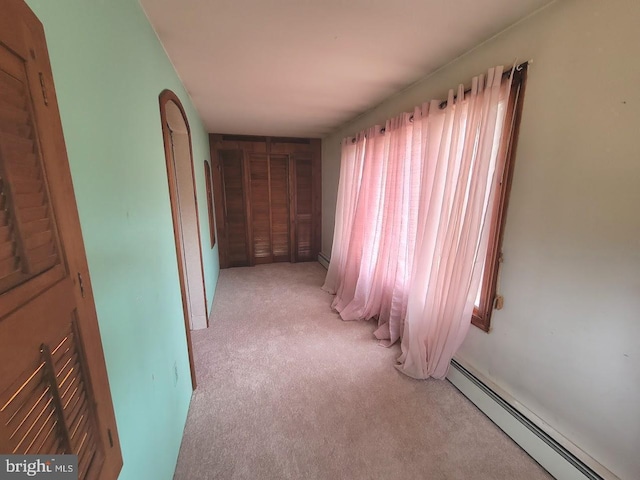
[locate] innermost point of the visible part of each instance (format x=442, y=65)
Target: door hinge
x=110, y=437
x=44, y=89
x=498, y=302
x=81, y=284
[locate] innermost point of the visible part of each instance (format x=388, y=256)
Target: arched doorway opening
x=184, y=210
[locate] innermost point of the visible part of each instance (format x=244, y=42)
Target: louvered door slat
x=27, y=185
x=27, y=413
x=78, y=429
x=21, y=423
x=43, y=424
x=23, y=171
x=39, y=239
x=12, y=126
x=10, y=99
x=33, y=404
x=8, y=267
x=36, y=226
x=46, y=263
x=5, y=233
x=89, y=458
x=17, y=150
x=50, y=441
x=10, y=85
x=75, y=404
x=71, y=395
x=22, y=401
x=6, y=249
x=29, y=200
x=11, y=90
x=34, y=213
x=14, y=120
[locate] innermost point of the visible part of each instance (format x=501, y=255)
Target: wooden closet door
x=260, y=201
x=282, y=192
x=234, y=200
x=303, y=202
x=269, y=181
x=279, y=185
x=54, y=391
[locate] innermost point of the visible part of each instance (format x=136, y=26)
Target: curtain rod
x=505, y=74
x=443, y=104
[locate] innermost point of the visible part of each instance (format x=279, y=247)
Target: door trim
x=165, y=97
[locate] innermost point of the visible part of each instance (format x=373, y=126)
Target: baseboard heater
x=323, y=260
x=552, y=454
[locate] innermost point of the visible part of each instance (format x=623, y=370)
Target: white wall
x=567, y=343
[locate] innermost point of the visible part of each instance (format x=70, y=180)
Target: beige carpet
x=287, y=390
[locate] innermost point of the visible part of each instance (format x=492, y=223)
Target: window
x=421, y=204
x=487, y=298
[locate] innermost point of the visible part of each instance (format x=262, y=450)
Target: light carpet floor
x=287, y=390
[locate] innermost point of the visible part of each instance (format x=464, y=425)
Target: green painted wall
x=109, y=69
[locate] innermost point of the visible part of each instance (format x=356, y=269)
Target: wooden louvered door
x=303, y=204
x=279, y=187
x=260, y=211
x=54, y=392
x=274, y=216
x=269, y=207
x=233, y=228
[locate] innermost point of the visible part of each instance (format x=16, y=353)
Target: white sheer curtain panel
x=412, y=222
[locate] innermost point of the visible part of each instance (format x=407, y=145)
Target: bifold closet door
x=235, y=217
x=269, y=207
x=280, y=222
x=259, y=208
x=268, y=193
x=303, y=203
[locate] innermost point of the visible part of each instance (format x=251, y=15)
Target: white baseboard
x=561, y=458
x=323, y=260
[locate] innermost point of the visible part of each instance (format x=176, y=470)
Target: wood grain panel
x=279, y=225
x=53, y=398
x=50, y=407
x=304, y=209
x=234, y=207
x=260, y=211
x=28, y=244
x=279, y=179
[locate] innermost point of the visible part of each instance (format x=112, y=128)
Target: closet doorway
x=184, y=210
x=268, y=198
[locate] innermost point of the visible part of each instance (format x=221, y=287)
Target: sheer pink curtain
x=410, y=237
x=376, y=219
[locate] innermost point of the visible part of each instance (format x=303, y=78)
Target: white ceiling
x=304, y=67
